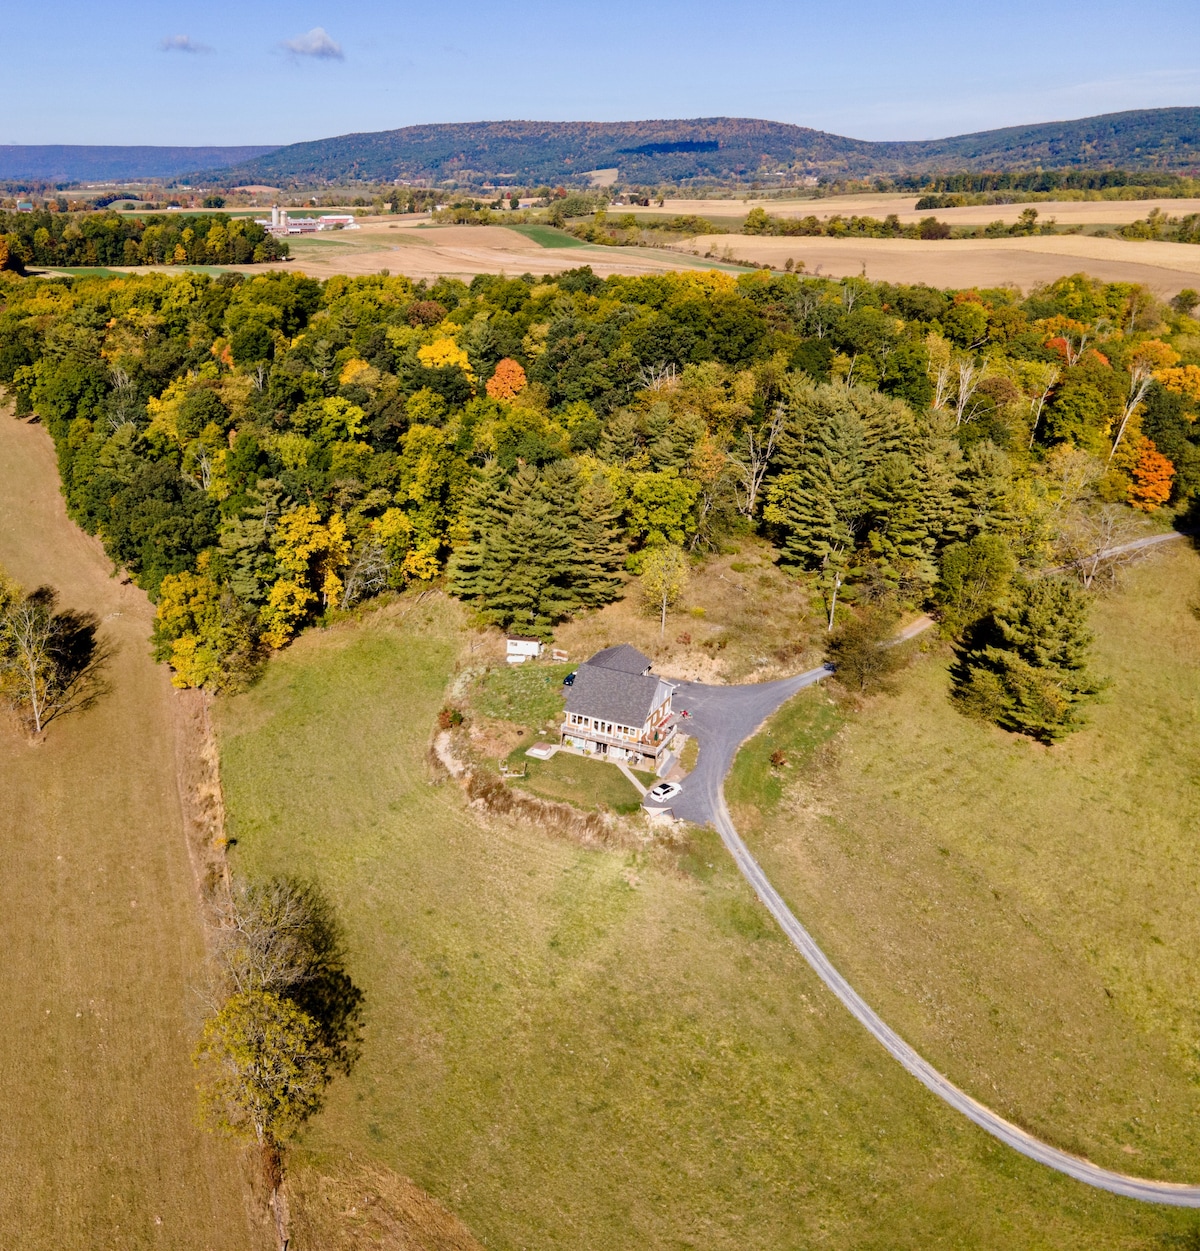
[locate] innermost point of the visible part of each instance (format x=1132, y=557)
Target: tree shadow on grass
x=281, y=934
x=51, y=663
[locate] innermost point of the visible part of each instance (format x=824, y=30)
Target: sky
x=141, y=72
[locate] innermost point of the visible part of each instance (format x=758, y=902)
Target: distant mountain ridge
x=59, y=162
x=718, y=148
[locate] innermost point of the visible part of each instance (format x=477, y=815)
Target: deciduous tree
x=664, y=579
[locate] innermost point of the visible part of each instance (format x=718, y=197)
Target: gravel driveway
x=722, y=718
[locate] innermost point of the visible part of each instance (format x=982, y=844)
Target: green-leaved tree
x=1024, y=666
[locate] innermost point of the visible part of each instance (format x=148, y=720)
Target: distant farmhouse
x=617, y=708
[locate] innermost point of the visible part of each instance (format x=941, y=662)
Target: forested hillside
x=718, y=149
x=261, y=452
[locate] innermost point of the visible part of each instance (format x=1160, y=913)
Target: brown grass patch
x=367, y=1207
x=101, y=930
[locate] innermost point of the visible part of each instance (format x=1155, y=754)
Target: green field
x=547, y=236
x=581, y=1049
x=1024, y=916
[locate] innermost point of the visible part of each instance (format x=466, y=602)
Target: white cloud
x=318, y=43
x=183, y=43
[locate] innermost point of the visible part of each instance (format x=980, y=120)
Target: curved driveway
x=722, y=718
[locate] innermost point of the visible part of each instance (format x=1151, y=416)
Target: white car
x=663, y=791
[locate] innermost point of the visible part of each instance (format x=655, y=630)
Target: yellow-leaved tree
x=443, y=354
x=310, y=555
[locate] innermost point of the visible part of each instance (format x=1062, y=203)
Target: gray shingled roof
x=624, y=698
x=623, y=658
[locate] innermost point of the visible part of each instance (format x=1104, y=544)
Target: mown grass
x=1025, y=916
x=765, y=764
x=100, y=927
x=577, y=780
x=578, y=1049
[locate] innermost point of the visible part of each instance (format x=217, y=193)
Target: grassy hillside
x=1024, y=916
x=718, y=148
x=586, y=1049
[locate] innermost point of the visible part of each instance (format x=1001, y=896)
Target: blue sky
x=267, y=72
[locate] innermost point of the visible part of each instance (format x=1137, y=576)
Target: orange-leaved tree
x=1151, y=477
x=508, y=381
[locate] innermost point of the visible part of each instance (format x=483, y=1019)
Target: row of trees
x=45, y=238
x=260, y=452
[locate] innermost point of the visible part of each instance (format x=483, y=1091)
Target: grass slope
x=1024, y=916
x=100, y=930
x=580, y=1049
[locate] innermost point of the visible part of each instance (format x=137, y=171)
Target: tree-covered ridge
x=262, y=451
x=45, y=238
x=718, y=149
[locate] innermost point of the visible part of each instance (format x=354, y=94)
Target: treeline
x=89, y=239
x=760, y=222
x=1047, y=180
x=262, y=452
x=1158, y=225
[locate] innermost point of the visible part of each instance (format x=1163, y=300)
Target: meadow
x=1023, y=915
x=591, y=1049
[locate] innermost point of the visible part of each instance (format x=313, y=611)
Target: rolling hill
x=717, y=149
x=58, y=162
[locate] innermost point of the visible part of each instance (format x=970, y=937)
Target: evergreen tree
x=1024, y=666
x=538, y=546
x=600, y=547
x=899, y=537
x=484, y=516
x=821, y=506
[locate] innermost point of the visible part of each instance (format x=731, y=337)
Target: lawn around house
x=583, y=1049
x=1024, y=916
x=580, y=780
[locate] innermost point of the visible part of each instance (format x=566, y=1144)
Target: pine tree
x=537, y=547
x=484, y=515
x=821, y=506
x=899, y=536
x=600, y=544
x=1024, y=666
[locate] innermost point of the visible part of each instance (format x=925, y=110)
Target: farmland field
x=588, y=1049
x=100, y=928
x=1022, y=915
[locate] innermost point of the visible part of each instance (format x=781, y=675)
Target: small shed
x=523, y=647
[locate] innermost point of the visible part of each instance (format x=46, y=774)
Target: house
x=617, y=708
x=522, y=647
